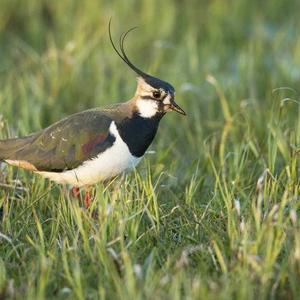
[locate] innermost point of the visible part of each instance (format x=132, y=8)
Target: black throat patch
x=138, y=132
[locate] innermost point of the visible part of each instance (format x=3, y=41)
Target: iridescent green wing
x=67, y=143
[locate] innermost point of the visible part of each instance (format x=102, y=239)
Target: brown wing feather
x=64, y=145
x=67, y=143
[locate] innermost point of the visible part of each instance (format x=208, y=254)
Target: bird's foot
x=87, y=199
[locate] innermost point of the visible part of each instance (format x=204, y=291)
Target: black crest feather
x=153, y=81
x=121, y=51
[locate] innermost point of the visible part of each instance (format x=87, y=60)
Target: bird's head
x=153, y=96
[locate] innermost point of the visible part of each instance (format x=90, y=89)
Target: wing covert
x=67, y=143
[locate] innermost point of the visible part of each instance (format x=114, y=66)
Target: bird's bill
x=175, y=107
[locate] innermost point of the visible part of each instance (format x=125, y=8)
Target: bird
x=97, y=144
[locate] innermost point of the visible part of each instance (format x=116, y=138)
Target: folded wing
x=62, y=146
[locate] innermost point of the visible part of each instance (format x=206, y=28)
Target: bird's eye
x=156, y=94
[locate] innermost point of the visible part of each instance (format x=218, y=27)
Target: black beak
x=175, y=107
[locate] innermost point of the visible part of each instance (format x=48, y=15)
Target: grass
x=213, y=211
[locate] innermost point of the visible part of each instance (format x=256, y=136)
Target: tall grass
x=212, y=211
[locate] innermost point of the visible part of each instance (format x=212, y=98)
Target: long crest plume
x=121, y=51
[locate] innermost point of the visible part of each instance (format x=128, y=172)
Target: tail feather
x=10, y=146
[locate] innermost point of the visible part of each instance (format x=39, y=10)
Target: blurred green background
x=213, y=213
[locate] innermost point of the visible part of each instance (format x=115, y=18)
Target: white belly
x=110, y=163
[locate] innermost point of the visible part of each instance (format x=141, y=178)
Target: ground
x=212, y=212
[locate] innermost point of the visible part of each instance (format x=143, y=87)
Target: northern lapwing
x=96, y=144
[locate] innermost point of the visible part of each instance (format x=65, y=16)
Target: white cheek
x=167, y=101
x=147, y=108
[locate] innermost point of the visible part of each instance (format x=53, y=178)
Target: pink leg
x=87, y=199
x=76, y=192
x=87, y=196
